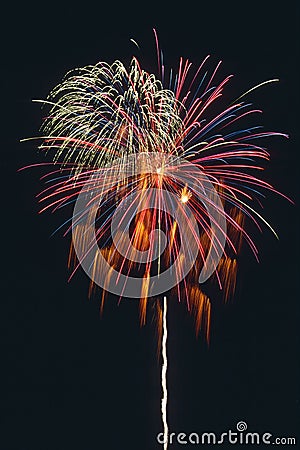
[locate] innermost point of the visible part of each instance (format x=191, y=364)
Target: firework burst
x=163, y=179
x=98, y=115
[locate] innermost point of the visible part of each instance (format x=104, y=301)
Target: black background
x=76, y=381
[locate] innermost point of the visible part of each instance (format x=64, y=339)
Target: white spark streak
x=164, y=400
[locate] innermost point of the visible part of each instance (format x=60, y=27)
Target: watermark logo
x=105, y=180
x=241, y=426
x=241, y=435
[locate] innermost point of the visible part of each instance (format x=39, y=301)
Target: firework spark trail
x=164, y=369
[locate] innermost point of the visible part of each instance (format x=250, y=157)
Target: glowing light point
x=185, y=195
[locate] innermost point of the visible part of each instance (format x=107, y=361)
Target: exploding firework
x=99, y=115
x=162, y=176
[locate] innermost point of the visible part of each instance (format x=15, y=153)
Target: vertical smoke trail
x=164, y=400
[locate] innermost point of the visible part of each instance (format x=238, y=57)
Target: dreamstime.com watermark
x=106, y=180
x=238, y=436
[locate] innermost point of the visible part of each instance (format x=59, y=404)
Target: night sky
x=76, y=381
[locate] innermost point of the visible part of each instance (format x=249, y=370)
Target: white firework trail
x=164, y=400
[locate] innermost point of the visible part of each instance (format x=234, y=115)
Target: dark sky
x=74, y=381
